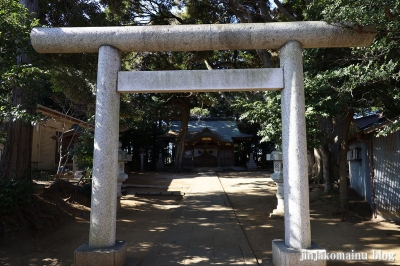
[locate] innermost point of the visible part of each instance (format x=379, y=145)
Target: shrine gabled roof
x=226, y=129
x=372, y=123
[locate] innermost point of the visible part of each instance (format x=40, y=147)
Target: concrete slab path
x=203, y=230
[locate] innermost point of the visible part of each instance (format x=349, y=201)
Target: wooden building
x=47, y=135
x=374, y=166
x=210, y=143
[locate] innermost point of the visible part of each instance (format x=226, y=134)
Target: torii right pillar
x=297, y=248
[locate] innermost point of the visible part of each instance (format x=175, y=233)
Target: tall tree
x=342, y=81
x=24, y=83
x=19, y=81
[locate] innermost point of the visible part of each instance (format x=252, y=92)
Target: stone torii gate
x=289, y=37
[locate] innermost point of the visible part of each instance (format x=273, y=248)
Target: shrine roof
x=374, y=122
x=226, y=129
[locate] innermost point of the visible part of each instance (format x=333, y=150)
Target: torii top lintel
x=202, y=37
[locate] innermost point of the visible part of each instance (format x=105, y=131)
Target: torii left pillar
x=103, y=249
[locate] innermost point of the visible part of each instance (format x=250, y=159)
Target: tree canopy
x=338, y=82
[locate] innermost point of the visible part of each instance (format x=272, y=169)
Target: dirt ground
x=142, y=218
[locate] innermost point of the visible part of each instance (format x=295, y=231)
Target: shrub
x=15, y=194
x=83, y=152
x=86, y=190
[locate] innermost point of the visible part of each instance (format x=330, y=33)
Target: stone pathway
x=203, y=231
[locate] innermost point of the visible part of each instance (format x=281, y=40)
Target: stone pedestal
x=286, y=256
x=251, y=164
x=109, y=256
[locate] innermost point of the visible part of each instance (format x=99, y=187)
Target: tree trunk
x=326, y=162
x=180, y=143
x=334, y=147
x=316, y=171
x=310, y=163
x=16, y=160
x=332, y=129
x=344, y=146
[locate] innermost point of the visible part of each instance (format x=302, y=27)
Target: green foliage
x=265, y=111
x=389, y=128
x=83, y=151
x=199, y=112
x=82, y=13
x=15, y=194
x=15, y=27
x=363, y=78
x=208, y=12
x=382, y=13
x=72, y=75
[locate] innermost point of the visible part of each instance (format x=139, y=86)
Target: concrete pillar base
x=285, y=256
x=111, y=256
x=277, y=213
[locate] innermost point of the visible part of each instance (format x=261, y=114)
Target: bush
x=86, y=190
x=83, y=152
x=15, y=194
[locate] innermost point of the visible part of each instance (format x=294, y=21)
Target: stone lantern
x=251, y=164
x=277, y=176
x=160, y=162
x=122, y=157
x=142, y=154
